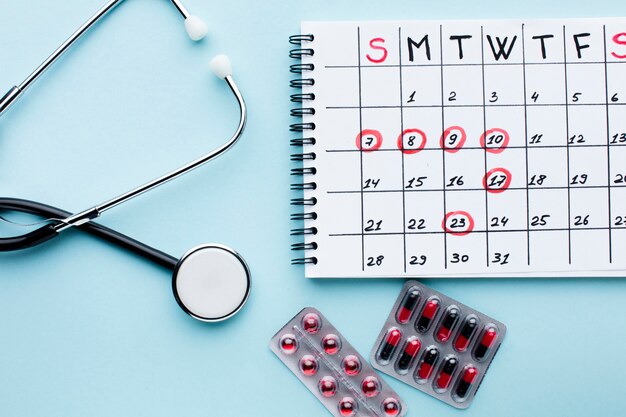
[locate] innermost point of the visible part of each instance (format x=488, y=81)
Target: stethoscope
x=210, y=282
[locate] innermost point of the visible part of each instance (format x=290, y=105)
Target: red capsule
x=311, y=323
x=327, y=386
x=351, y=365
x=465, y=383
x=308, y=365
x=370, y=386
x=410, y=300
x=389, y=344
x=446, y=373
x=411, y=348
x=331, y=344
x=487, y=340
x=391, y=407
x=427, y=363
x=427, y=315
x=347, y=406
x=448, y=322
x=468, y=328
x=288, y=344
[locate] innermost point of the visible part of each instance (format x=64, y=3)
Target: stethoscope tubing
x=95, y=229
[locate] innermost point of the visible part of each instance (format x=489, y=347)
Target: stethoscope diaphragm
x=211, y=283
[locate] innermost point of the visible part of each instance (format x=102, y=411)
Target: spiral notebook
x=460, y=148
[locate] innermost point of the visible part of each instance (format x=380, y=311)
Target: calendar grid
x=402, y=153
x=443, y=151
x=567, y=128
x=358, y=32
x=526, y=147
x=504, y=154
x=608, y=144
x=484, y=108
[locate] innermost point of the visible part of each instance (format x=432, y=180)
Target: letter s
x=619, y=41
x=373, y=45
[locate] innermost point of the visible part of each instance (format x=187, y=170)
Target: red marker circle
x=411, y=135
x=459, y=141
x=468, y=222
x=495, y=140
x=505, y=183
x=373, y=137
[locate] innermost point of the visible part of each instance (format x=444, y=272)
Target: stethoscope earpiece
x=211, y=283
x=196, y=28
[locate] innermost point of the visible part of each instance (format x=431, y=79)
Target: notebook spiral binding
x=304, y=174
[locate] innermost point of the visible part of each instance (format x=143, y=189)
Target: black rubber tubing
x=47, y=232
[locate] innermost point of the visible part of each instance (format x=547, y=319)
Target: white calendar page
x=464, y=148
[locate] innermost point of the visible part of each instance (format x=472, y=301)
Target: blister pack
x=437, y=345
x=332, y=369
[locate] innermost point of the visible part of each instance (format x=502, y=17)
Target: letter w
x=502, y=47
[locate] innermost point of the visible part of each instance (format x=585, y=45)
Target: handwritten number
x=540, y=220
x=501, y=258
x=457, y=223
x=456, y=180
x=576, y=97
x=373, y=226
x=581, y=220
x=618, y=138
x=494, y=97
x=378, y=261
x=620, y=179
x=534, y=97
x=497, y=139
x=412, y=97
x=576, y=139
x=536, y=138
x=537, y=179
x=456, y=258
x=497, y=181
x=499, y=221
x=418, y=261
x=416, y=224
x=371, y=183
x=579, y=179
x=452, y=96
x=615, y=99
x=620, y=221
x=415, y=182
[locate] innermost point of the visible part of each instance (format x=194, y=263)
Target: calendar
x=461, y=148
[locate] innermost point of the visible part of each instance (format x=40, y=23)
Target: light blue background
x=88, y=330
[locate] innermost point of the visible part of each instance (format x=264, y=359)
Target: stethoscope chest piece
x=211, y=283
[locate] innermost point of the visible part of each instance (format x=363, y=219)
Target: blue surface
x=90, y=330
